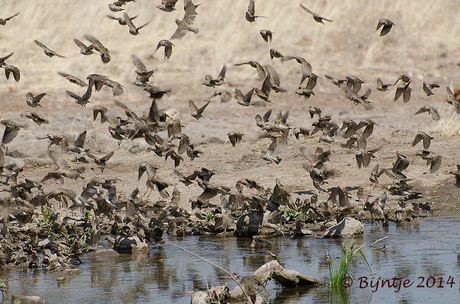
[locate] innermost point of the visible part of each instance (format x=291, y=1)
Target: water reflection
x=167, y=274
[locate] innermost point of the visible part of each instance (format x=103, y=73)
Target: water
x=415, y=252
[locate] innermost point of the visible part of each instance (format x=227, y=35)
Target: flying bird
x=185, y=25
x=73, y=79
x=4, y=20
x=209, y=81
x=244, y=100
x=48, y=52
x=34, y=101
x=422, y=136
x=432, y=111
x=197, y=113
x=316, y=17
x=133, y=30
x=235, y=137
x=427, y=88
x=266, y=35
x=98, y=46
x=142, y=74
x=386, y=23
x=167, y=5
x=120, y=20
x=36, y=118
x=12, y=69
x=168, y=47
x=251, y=13
x=381, y=86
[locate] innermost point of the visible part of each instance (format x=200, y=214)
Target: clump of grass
x=338, y=270
x=3, y=288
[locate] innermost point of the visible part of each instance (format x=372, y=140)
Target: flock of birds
x=148, y=127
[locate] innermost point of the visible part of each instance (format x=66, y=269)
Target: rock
x=128, y=244
x=260, y=243
x=249, y=224
x=346, y=228
x=18, y=299
x=217, y=294
x=105, y=253
x=252, y=284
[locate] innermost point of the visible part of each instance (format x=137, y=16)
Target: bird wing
x=252, y=7
x=80, y=141
x=138, y=63
x=306, y=9
x=222, y=73
x=192, y=106
x=200, y=110
x=41, y=45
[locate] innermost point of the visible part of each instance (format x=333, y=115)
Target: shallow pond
x=424, y=254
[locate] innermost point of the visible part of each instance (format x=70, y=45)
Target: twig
x=231, y=275
x=379, y=241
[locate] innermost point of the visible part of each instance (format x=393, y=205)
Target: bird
x=386, y=23
x=354, y=83
x=432, y=111
x=184, y=25
x=36, y=118
x=275, y=54
x=264, y=92
x=193, y=153
x=48, y=52
x=73, y=79
x=403, y=90
x=427, y=88
x=133, y=30
x=79, y=143
x=225, y=96
x=167, y=5
x=184, y=142
x=197, y=113
x=174, y=127
x=452, y=100
x=209, y=81
x=34, y=101
x=279, y=143
x=457, y=176
x=142, y=74
x=266, y=35
x=100, y=161
x=174, y=156
x=120, y=20
x=400, y=164
x=98, y=81
x=4, y=20
x=115, y=8
x=251, y=12
x=235, y=137
x=12, y=69
x=81, y=100
x=275, y=80
x=363, y=158
x=98, y=46
x=316, y=17
x=168, y=47
x=434, y=162
x=84, y=49
x=381, y=86
x=260, y=69
x=244, y=100
x=12, y=128
x=422, y=136
x=4, y=58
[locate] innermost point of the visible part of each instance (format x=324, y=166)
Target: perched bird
x=142, y=74
x=73, y=79
x=34, y=101
x=98, y=46
x=133, y=30
x=197, y=113
x=244, y=100
x=167, y=5
x=422, y=136
x=36, y=118
x=235, y=137
x=209, y=81
x=266, y=35
x=4, y=20
x=12, y=69
x=251, y=12
x=432, y=111
x=84, y=49
x=168, y=47
x=316, y=17
x=260, y=69
x=225, y=96
x=381, y=86
x=121, y=21
x=427, y=88
x=100, y=161
x=185, y=25
x=47, y=51
x=386, y=23
x=457, y=176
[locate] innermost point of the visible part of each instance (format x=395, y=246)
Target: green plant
x=339, y=270
x=3, y=288
x=291, y=214
x=209, y=216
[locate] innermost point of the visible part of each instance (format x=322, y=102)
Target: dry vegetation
x=424, y=44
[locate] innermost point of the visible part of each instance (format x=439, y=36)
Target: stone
x=128, y=244
x=249, y=224
x=346, y=228
x=18, y=299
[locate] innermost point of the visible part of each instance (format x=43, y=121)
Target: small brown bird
x=142, y=74
x=381, y=86
x=168, y=47
x=184, y=25
x=264, y=92
x=73, y=79
x=353, y=83
x=251, y=13
x=306, y=68
x=121, y=21
x=12, y=128
x=174, y=127
x=12, y=69
x=36, y=118
x=299, y=131
x=133, y=30
x=422, y=136
x=279, y=143
x=167, y=5
x=79, y=143
x=225, y=96
x=193, y=153
x=266, y=35
x=34, y=101
x=99, y=81
x=434, y=162
x=174, y=156
x=432, y=111
x=244, y=100
x=84, y=49
x=427, y=88
x=387, y=24
x=260, y=69
x=197, y=113
x=235, y=137
x=316, y=17
x=100, y=161
x=403, y=89
x=209, y=81
x=98, y=46
x=48, y=52
x=4, y=58
x=457, y=176
x=275, y=54
x=81, y=100
x=363, y=158
x=400, y=164
x=184, y=142
x=115, y=8
x=4, y=20
x=452, y=100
